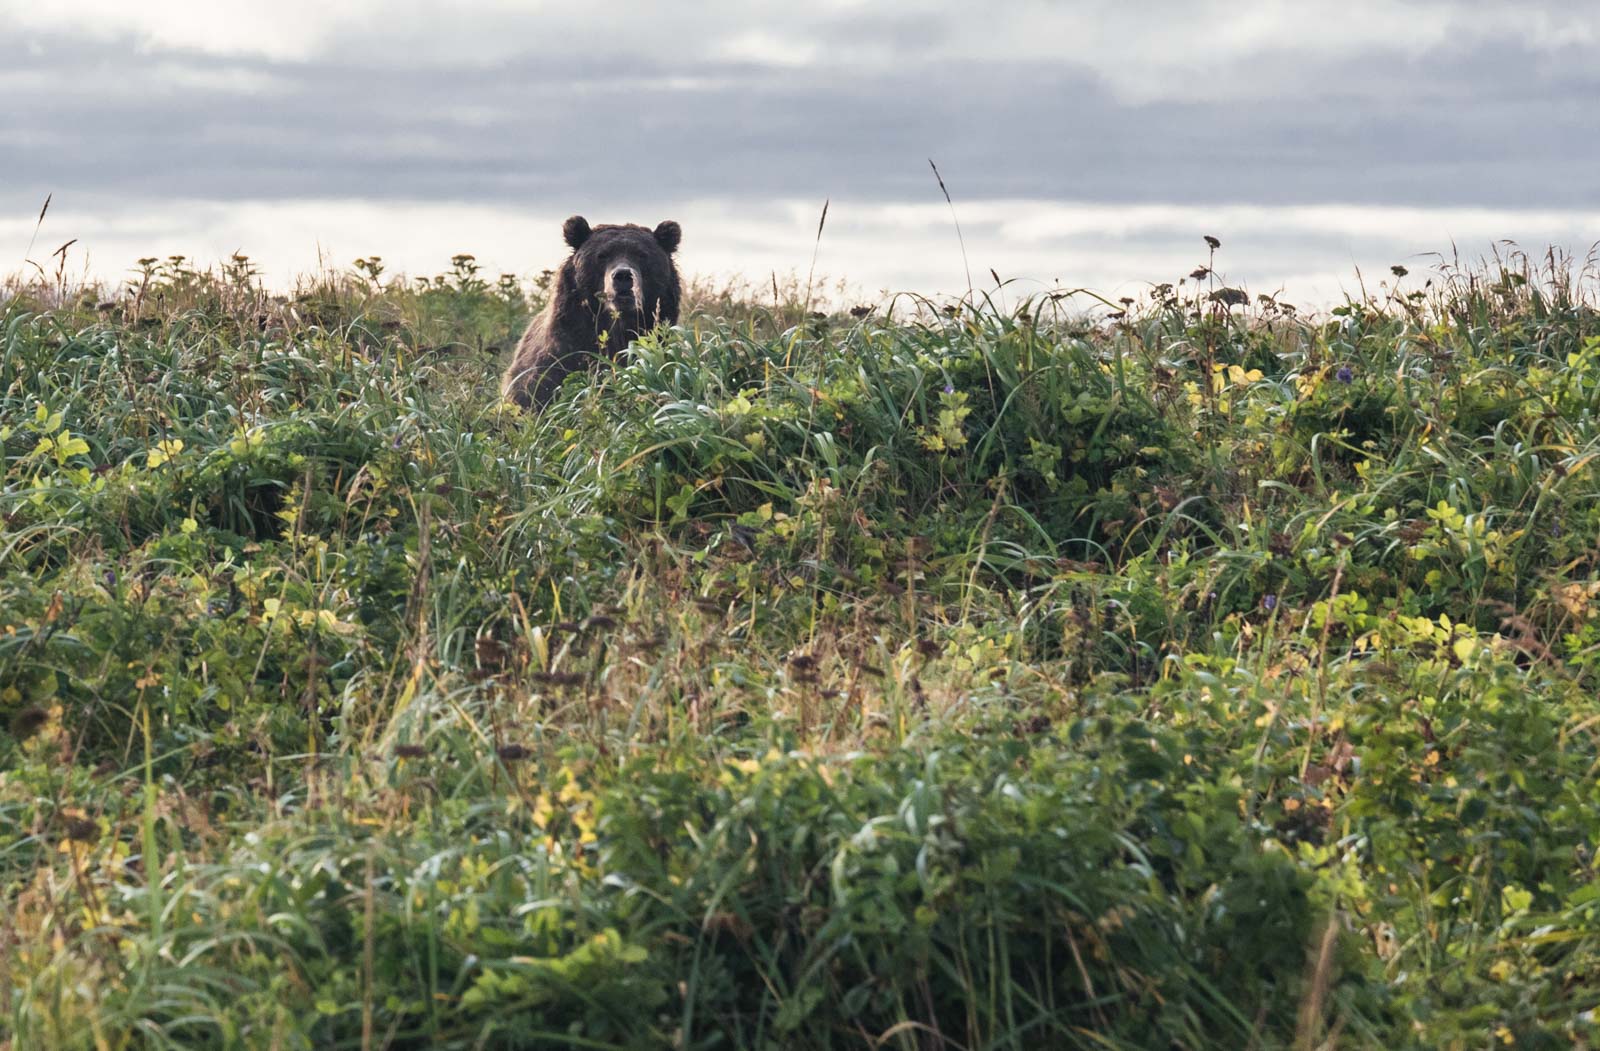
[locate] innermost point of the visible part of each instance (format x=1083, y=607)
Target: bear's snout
x=622, y=284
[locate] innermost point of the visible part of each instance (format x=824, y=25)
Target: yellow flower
x=584, y=822
x=164, y=450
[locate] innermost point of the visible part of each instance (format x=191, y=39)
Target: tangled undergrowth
x=1187, y=675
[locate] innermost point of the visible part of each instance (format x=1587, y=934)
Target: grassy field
x=1170, y=674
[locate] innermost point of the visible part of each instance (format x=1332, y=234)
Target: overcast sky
x=1086, y=143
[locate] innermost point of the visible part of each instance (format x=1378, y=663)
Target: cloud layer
x=533, y=110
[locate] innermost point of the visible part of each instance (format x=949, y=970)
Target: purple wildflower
x=1269, y=602
x=1345, y=375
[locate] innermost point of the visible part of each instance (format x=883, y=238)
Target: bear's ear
x=668, y=234
x=576, y=231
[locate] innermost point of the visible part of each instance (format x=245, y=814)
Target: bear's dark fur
x=619, y=282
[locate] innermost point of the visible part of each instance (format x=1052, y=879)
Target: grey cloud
x=1496, y=125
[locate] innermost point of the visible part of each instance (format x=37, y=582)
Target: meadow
x=1024, y=672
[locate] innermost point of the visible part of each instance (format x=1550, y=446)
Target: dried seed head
x=28, y=722
x=1036, y=725
x=490, y=651
x=79, y=829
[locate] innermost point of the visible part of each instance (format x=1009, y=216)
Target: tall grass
x=1193, y=674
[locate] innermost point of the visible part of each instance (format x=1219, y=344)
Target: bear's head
x=624, y=272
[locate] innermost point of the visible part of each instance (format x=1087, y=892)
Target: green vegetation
x=1191, y=675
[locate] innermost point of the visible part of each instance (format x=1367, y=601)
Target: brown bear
x=619, y=282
